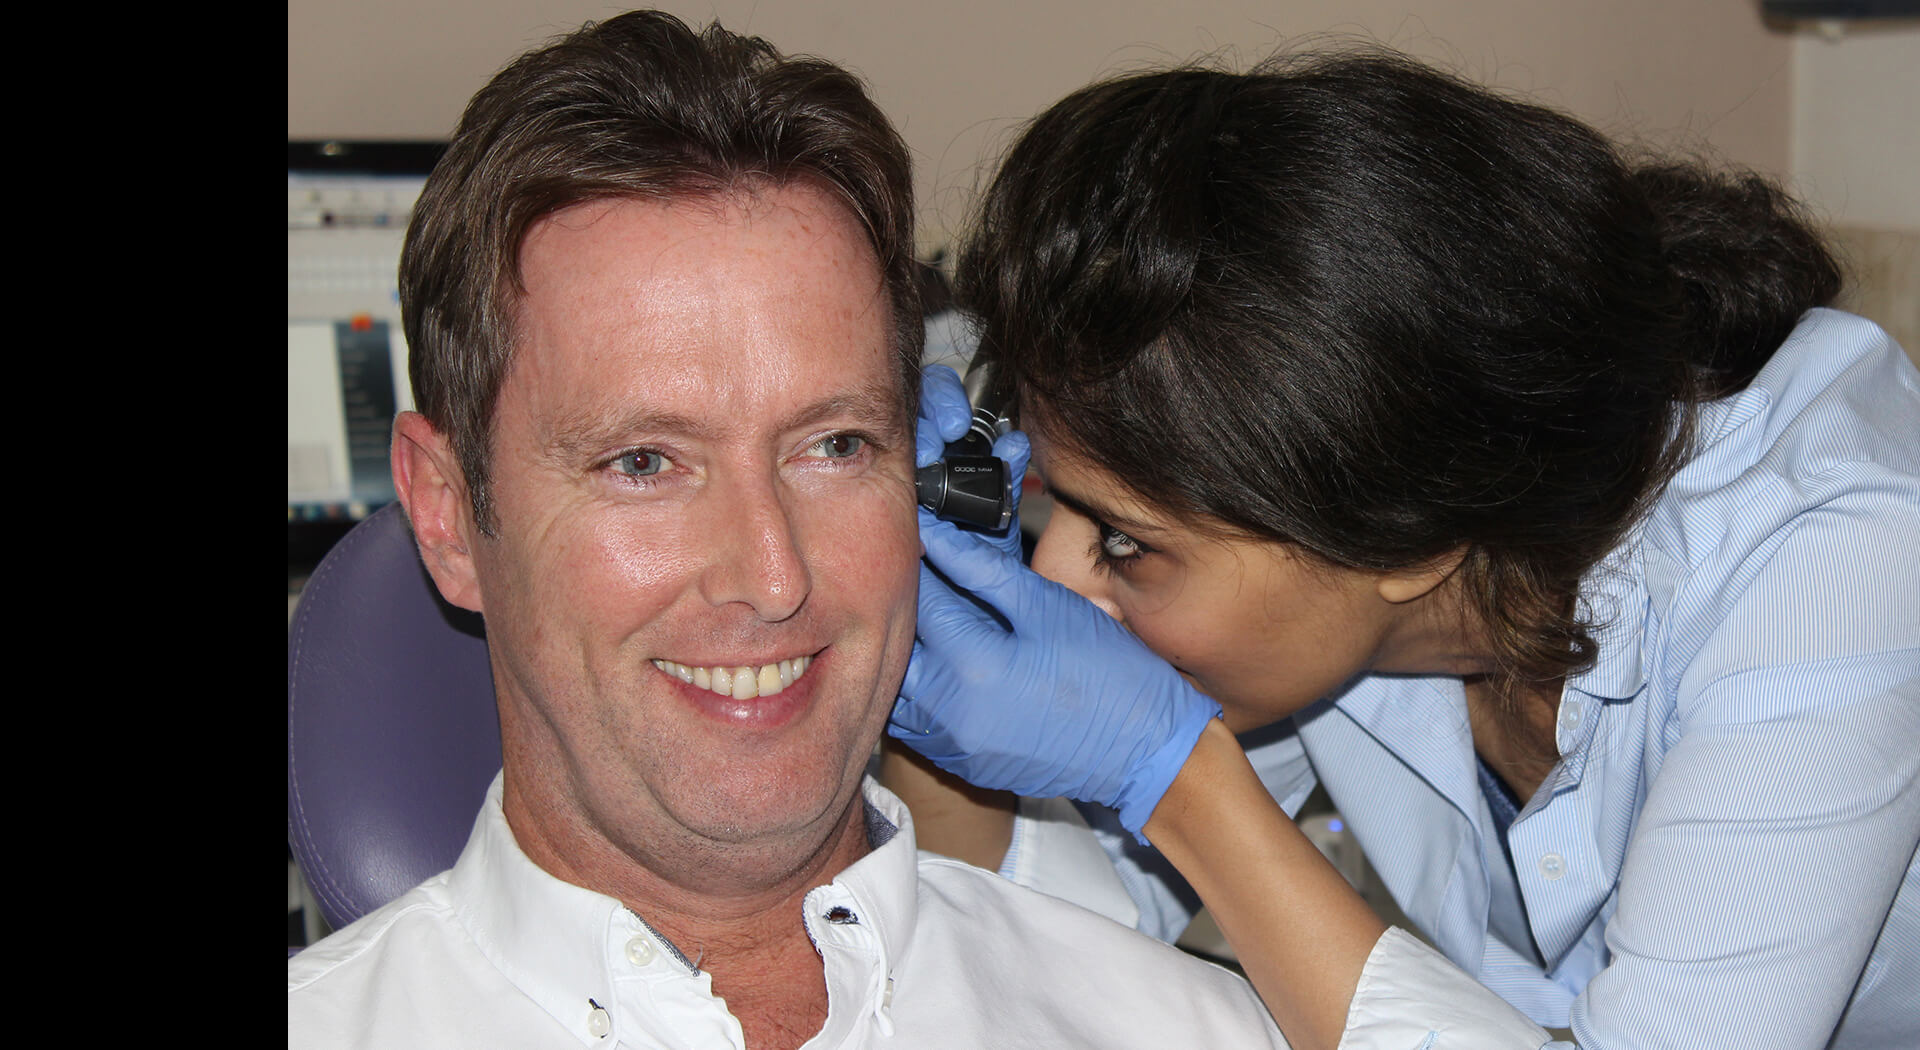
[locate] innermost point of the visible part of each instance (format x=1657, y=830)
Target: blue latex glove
x=944, y=413
x=1067, y=702
x=944, y=417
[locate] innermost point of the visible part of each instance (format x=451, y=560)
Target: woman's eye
x=840, y=446
x=639, y=463
x=1115, y=551
x=1116, y=545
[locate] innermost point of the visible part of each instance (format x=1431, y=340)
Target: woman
x=1526, y=498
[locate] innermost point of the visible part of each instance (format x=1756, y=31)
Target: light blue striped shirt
x=1725, y=854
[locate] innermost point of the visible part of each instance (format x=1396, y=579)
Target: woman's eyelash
x=1115, y=550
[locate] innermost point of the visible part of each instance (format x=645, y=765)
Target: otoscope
x=969, y=484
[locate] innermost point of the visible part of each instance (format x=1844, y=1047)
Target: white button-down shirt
x=920, y=951
x=1725, y=853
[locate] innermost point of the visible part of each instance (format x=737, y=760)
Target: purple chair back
x=392, y=733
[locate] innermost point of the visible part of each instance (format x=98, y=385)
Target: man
x=664, y=330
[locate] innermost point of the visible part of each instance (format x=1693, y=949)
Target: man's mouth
x=741, y=683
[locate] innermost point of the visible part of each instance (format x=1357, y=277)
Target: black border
x=1817, y=10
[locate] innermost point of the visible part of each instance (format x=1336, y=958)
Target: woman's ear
x=432, y=488
x=1400, y=586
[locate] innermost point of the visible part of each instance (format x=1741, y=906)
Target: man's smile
x=742, y=682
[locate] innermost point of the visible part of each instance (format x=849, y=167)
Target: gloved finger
x=927, y=445
x=938, y=704
x=909, y=725
x=943, y=397
x=1014, y=447
x=980, y=557
x=944, y=413
x=975, y=563
x=912, y=718
x=906, y=714
x=948, y=621
x=950, y=628
x=901, y=724
x=946, y=534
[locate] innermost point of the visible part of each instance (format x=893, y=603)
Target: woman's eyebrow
x=1086, y=509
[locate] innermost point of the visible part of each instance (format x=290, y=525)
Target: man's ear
x=1404, y=585
x=432, y=488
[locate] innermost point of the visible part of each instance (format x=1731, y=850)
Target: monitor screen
x=347, y=209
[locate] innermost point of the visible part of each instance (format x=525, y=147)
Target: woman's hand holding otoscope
x=1060, y=699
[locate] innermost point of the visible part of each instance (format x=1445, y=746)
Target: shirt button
x=1553, y=866
x=598, y=1023
x=640, y=951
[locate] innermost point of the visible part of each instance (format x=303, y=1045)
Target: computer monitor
x=347, y=209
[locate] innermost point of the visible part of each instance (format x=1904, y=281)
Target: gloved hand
x=944, y=417
x=1067, y=702
x=944, y=413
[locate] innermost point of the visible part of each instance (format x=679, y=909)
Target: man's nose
x=757, y=553
x=1062, y=558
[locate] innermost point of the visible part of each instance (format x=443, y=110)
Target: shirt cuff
x=1054, y=851
x=1411, y=998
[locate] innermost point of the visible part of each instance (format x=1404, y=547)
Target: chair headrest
x=392, y=731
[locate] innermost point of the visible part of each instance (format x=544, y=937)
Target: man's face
x=701, y=463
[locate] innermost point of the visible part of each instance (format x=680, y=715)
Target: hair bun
x=1750, y=262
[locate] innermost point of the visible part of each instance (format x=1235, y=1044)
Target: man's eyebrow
x=590, y=435
x=878, y=407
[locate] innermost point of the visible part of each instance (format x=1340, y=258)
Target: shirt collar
x=1424, y=721
x=1613, y=597
x=887, y=880
x=550, y=938
x=863, y=921
x=567, y=947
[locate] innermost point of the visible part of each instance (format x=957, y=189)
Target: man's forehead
x=663, y=317
x=682, y=255
x=652, y=227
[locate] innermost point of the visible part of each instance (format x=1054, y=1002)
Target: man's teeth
x=741, y=683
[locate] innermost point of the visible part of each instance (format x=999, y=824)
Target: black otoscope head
x=969, y=484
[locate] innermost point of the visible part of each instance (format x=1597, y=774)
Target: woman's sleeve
x=1784, y=817
x=1411, y=998
x=1080, y=853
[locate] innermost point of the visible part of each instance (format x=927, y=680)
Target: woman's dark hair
x=1356, y=305
x=637, y=106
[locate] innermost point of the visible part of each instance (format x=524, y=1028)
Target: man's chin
x=758, y=798
x=754, y=841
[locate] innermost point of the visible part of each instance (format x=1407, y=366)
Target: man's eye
x=639, y=463
x=840, y=446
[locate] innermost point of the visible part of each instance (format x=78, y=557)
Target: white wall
x=1837, y=118
x=1856, y=124
x=959, y=77
x=1855, y=138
